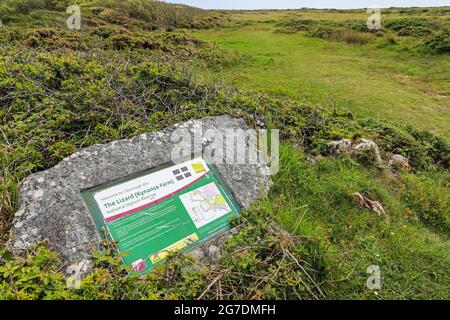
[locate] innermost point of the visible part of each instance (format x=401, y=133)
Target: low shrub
x=51, y=39
x=439, y=41
x=217, y=58
x=297, y=25
x=148, y=14
x=325, y=32
x=341, y=34
x=399, y=24
x=124, y=41
x=423, y=149
x=105, y=32
x=156, y=13
x=418, y=32
x=358, y=26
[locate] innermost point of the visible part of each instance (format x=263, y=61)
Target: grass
x=313, y=201
x=384, y=83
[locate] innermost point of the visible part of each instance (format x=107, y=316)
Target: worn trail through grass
x=402, y=87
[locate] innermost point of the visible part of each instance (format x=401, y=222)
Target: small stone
x=340, y=146
x=345, y=146
x=364, y=202
x=365, y=144
x=400, y=160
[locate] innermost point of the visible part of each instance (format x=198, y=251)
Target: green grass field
x=384, y=83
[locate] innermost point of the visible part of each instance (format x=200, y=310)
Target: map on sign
x=162, y=211
x=205, y=204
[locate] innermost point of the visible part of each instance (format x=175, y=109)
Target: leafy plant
x=439, y=41
x=399, y=24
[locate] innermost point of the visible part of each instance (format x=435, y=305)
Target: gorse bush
x=435, y=33
x=25, y=6
x=297, y=25
x=418, y=32
x=102, y=34
x=422, y=148
x=399, y=24
x=150, y=14
x=439, y=41
x=157, y=13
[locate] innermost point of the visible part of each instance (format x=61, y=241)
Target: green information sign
x=164, y=210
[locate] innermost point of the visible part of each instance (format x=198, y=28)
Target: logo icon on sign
x=139, y=265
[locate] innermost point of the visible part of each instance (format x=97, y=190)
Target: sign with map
x=162, y=211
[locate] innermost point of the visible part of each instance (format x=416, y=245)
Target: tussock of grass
x=348, y=36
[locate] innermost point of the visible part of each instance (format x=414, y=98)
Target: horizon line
x=312, y=8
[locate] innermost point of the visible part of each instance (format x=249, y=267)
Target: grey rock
x=364, y=202
x=50, y=203
x=400, y=160
x=365, y=144
x=340, y=146
x=345, y=146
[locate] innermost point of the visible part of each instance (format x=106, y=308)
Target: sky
x=296, y=4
